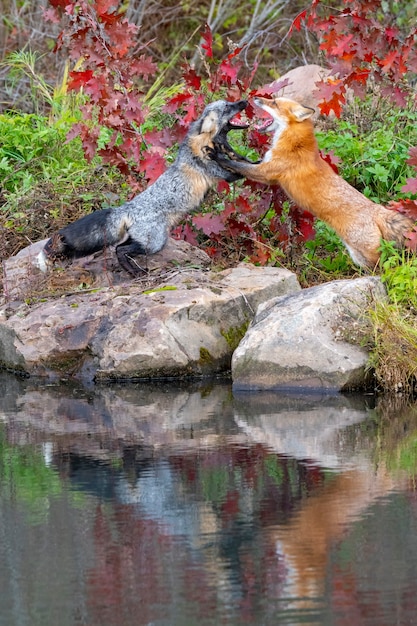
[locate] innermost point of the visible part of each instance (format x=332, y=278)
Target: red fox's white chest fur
x=294, y=162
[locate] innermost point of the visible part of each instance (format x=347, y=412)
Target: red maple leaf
x=175, y=102
x=191, y=78
x=89, y=146
x=329, y=40
x=242, y=205
x=297, y=21
x=395, y=94
x=412, y=160
x=61, y=4
x=411, y=239
x=186, y=232
x=50, y=15
x=77, y=80
x=75, y=131
x=332, y=159
x=109, y=18
x=238, y=228
x=410, y=186
x=191, y=113
x=343, y=46
x=153, y=165
x=334, y=104
x=120, y=34
x=143, y=66
x=209, y=224
x=358, y=76
x=229, y=209
x=391, y=33
x=406, y=206
x=228, y=71
x=207, y=36
x=95, y=87
x=272, y=88
x=388, y=61
x=159, y=138
x=261, y=254
x=305, y=224
x=326, y=89
x=223, y=186
x=103, y=6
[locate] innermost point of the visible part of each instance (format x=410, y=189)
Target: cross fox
x=141, y=226
x=294, y=162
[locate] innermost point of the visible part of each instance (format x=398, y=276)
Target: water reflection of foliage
x=25, y=477
x=398, y=434
x=239, y=481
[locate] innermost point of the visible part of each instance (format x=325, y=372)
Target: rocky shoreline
x=187, y=320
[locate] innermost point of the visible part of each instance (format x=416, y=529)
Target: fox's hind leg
x=125, y=251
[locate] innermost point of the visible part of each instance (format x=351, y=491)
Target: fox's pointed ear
x=209, y=124
x=302, y=113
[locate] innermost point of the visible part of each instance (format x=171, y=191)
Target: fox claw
x=211, y=152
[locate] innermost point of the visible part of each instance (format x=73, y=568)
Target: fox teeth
x=240, y=121
x=264, y=125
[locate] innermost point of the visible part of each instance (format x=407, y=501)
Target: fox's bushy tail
x=85, y=236
x=393, y=226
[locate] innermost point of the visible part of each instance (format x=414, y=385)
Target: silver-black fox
x=141, y=226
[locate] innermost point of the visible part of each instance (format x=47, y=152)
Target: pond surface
x=187, y=505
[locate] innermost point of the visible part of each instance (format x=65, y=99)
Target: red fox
x=294, y=162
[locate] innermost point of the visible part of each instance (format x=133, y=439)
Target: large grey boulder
x=311, y=339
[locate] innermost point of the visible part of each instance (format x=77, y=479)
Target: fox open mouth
x=220, y=141
x=263, y=125
x=237, y=124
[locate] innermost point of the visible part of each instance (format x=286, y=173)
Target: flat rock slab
x=187, y=325
x=311, y=339
x=22, y=280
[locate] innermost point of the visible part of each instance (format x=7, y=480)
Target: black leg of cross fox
x=125, y=251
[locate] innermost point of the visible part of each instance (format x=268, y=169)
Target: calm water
x=182, y=505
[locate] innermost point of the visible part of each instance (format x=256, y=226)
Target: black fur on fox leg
x=220, y=151
x=125, y=251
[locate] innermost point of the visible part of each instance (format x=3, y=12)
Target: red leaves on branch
x=207, y=44
x=332, y=93
x=111, y=75
x=361, y=42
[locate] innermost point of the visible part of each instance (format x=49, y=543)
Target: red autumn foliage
x=362, y=42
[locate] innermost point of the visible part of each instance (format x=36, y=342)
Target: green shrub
x=32, y=150
x=46, y=181
x=373, y=148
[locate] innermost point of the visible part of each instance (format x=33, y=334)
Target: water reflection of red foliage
x=269, y=535
x=133, y=572
x=138, y=562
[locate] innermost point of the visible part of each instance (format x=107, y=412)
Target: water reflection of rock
x=101, y=422
x=319, y=429
x=134, y=414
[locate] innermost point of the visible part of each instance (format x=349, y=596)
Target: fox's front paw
x=217, y=156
